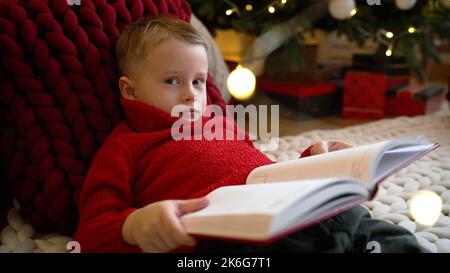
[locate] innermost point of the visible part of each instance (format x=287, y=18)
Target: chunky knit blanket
x=59, y=97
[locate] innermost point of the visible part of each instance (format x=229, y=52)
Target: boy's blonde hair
x=140, y=37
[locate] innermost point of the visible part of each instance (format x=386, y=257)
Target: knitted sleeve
x=106, y=200
x=306, y=152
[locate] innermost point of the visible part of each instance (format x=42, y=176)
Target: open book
x=284, y=197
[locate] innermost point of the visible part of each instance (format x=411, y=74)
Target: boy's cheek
x=204, y=103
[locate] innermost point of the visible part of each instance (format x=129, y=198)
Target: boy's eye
x=172, y=81
x=198, y=82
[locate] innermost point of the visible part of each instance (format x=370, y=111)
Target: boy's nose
x=188, y=95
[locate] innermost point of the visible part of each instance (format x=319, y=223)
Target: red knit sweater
x=140, y=163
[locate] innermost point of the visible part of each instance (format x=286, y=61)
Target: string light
x=241, y=83
x=353, y=12
x=389, y=51
x=381, y=34
x=270, y=8
x=425, y=207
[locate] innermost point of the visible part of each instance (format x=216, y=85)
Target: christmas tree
x=411, y=29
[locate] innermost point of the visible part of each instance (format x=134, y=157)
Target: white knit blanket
x=431, y=172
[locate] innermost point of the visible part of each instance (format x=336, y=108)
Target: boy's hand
x=157, y=227
x=326, y=146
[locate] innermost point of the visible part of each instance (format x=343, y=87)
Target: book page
x=257, y=198
x=398, y=157
x=354, y=163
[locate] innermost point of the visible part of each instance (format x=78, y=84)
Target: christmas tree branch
x=269, y=41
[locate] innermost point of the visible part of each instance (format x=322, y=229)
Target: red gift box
x=309, y=96
x=303, y=88
x=364, y=95
x=416, y=99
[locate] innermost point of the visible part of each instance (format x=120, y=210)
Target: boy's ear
x=127, y=88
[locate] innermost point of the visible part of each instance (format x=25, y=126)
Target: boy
x=142, y=180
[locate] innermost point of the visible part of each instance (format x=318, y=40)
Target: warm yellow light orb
x=248, y=7
x=229, y=12
x=411, y=29
x=389, y=34
x=241, y=83
x=426, y=207
x=271, y=9
x=353, y=12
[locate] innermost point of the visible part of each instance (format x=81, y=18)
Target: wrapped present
x=311, y=97
x=414, y=99
x=364, y=94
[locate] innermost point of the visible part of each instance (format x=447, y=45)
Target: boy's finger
x=192, y=205
x=168, y=241
x=319, y=148
x=177, y=232
x=173, y=230
x=152, y=245
x=338, y=145
x=186, y=240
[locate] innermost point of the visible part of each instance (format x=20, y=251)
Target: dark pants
x=350, y=231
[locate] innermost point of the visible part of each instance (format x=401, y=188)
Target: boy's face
x=173, y=73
